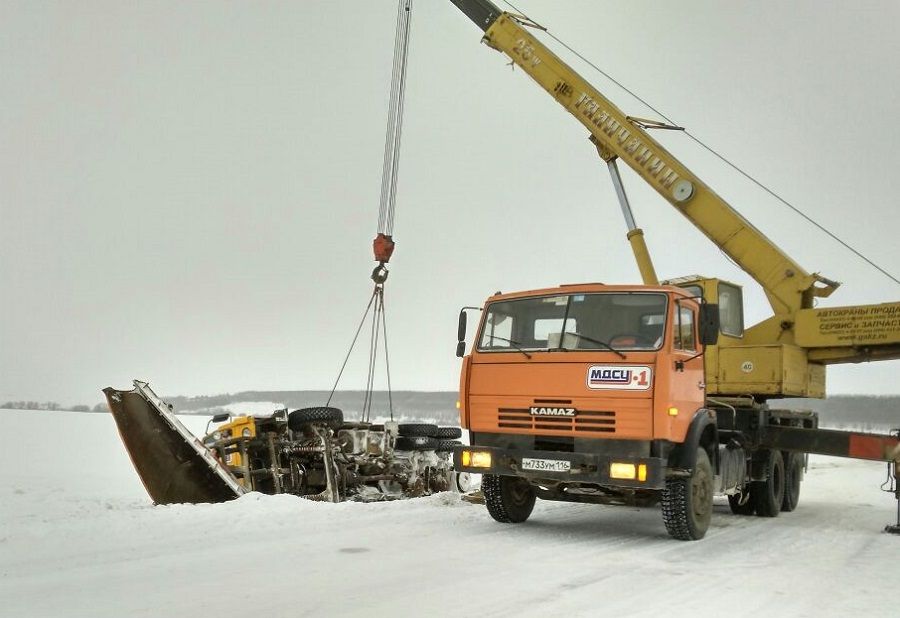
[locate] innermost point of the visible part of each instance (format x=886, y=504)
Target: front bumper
x=585, y=467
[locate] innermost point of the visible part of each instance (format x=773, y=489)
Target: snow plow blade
x=173, y=464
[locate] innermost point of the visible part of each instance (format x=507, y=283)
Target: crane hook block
x=380, y=274
x=383, y=246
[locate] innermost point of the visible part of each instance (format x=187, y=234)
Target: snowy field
x=79, y=537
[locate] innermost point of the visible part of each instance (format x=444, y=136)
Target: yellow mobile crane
x=755, y=453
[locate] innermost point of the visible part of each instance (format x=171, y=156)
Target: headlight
x=476, y=459
x=628, y=471
x=624, y=471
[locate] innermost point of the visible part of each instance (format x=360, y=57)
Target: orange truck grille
x=594, y=421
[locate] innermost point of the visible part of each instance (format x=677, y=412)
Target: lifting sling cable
x=379, y=327
x=383, y=244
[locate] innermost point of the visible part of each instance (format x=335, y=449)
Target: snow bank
x=79, y=537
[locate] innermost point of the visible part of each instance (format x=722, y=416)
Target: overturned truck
x=310, y=452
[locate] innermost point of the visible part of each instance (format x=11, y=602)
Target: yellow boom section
x=788, y=286
x=850, y=334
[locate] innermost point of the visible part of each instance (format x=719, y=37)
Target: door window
x=685, y=338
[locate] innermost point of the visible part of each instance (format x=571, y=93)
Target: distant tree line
x=441, y=405
x=50, y=405
x=31, y=405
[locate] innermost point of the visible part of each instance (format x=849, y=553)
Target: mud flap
x=173, y=464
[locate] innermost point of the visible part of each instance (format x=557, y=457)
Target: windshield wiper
x=592, y=340
x=514, y=344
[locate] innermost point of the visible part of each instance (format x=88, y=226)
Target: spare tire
x=330, y=417
x=448, y=433
x=447, y=445
x=416, y=430
x=415, y=443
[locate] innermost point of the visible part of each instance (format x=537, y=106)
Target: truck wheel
x=418, y=430
x=687, y=502
x=793, y=474
x=332, y=417
x=448, y=433
x=509, y=499
x=415, y=443
x=767, y=495
x=742, y=503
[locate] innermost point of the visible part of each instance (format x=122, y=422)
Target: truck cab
x=584, y=392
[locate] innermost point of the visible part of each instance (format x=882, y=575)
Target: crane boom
x=795, y=343
x=788, y=286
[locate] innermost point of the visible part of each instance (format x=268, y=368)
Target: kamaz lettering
x=536, y=411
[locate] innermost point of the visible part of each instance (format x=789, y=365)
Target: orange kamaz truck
x=655, y=392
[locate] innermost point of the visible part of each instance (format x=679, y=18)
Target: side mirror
x=709, y=324
x=220, y=418
x=461, y=331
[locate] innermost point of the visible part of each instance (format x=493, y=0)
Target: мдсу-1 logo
x=619, y=377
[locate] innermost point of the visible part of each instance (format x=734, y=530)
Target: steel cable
x=394, y=131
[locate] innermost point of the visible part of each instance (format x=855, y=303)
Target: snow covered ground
x=79, y=537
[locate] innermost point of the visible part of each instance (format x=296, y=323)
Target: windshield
x=605, y=321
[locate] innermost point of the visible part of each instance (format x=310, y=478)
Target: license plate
x=546, y=465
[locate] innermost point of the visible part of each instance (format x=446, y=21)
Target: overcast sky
x=188, y=191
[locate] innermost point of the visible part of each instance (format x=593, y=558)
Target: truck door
x=684, y=391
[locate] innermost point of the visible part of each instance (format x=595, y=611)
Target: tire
x=447, y=445
x=509, y=499
x=448, y=433
x=793, y=474
x=415, y=443
x=687, y=502
x=331, y=417
x=767, y=495
x=742, y=503
x=418, y=430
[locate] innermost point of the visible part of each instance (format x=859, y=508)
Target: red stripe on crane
x=873, y=447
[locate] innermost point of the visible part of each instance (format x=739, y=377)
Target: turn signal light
x=476, y=459
x=642, y=472
x=673, y=411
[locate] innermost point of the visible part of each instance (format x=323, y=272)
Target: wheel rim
x=520, y=492
x=701, y=492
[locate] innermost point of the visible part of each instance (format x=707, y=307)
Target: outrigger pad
x=173, y=464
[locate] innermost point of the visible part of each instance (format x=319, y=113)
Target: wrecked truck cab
x=310, y=452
